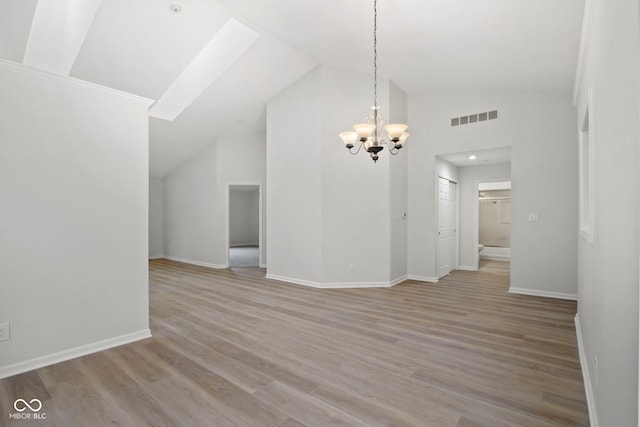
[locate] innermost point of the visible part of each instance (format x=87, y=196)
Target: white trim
x=72, y=353
x=585, y=40
x=547, y=294
x=333, y=285
x=586, y=170
x=263, y=265
x=495, y=258
x=155, y=257
x=467, y=268
x=586, y=376
x=431, y=279
x=238, y=245
x=200, y=263
x=398, y=280
x=70, y=81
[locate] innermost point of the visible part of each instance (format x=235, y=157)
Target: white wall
x=242, y=161
x=398, y=188
x=243, y=218
x=540, y=129
x=293, y=172
x=196, y=198
x=355, y=190
x=254, y=224
x=156, y=218
x=329, y=212
x=469, y=177
x=191, y=209
x=608, y=267
x=74, y=218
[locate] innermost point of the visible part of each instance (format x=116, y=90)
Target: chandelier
x=369, y=132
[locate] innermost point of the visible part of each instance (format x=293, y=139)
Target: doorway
x=447, y=226
x=493, y=225
x=244, y=226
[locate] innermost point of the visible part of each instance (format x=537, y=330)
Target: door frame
x=227, y=222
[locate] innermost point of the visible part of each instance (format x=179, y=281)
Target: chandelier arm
x=392, y=146
x=357, y=151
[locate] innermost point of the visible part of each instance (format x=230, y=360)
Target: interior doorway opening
x=493, y=226
x=245, y=228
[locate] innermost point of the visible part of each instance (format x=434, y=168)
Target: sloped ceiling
x=424, y=46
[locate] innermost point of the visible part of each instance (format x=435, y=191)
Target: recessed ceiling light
x=239, y=119
x=175, y=8
x=472, y=157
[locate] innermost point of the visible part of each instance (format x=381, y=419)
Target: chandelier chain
x=375, y=53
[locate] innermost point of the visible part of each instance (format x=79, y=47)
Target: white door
x=447, y=219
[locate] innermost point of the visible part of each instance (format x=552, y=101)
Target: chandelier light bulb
x=403, y=138
x=349, y=138
x=364, y=129
x=395, y=130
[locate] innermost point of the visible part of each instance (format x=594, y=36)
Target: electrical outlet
x=5, y=331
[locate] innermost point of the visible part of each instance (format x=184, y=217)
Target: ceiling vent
x=474, y=118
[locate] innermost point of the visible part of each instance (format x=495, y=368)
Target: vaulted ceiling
x=143, y=46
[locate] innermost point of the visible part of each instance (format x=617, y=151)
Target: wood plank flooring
x=231, y=348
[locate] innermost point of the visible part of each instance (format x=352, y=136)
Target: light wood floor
x=490, y=266
x=231, y=348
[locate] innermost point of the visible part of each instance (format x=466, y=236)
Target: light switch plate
x=5, y=331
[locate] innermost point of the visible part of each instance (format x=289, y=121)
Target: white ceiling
x=424, y=46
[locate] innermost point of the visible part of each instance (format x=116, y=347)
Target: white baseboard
x=431, y=279
x=263, y=265
x=586, y=376
x=72, y=353
x=200, y=263
x=548, y=294
x=398, y=280
x=467, y=268
x=331, y=285
x=496, y=258
x=156, y=257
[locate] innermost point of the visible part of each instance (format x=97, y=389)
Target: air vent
x=474, y=118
